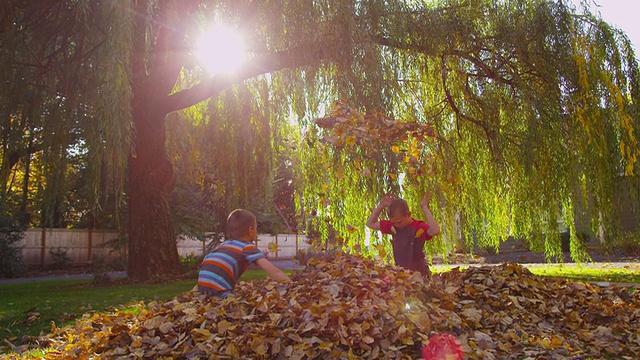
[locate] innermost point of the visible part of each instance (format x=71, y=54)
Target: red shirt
x=408, y=244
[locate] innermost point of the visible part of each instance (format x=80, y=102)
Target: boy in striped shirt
x=221, y=268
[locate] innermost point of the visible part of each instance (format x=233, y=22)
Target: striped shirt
x=221, y=268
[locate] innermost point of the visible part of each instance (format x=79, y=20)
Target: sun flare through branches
x=221, y=50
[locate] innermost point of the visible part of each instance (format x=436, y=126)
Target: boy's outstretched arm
x=272, y=270
x=373, y=223
x=434, y=228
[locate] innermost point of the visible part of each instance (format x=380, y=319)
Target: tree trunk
x=25, y=217
x=152, y=243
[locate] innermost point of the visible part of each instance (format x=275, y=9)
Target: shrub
x=629, y=243
x=190, y=263
x=565, y=238
x=99, y=271
x=11, y=231
x=60, y=257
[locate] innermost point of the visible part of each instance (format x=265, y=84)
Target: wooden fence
x=43, y=247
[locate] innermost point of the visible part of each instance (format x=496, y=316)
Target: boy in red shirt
x=409, y=234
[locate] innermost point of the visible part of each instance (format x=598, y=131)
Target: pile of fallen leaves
x=353, y=308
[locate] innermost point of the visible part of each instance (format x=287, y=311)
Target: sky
x=623, y=14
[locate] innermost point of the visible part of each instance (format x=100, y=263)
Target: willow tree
x=515, y=114
x=57, y=108
x=533, y=111
x=532, y=108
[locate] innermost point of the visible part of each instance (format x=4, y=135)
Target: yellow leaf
x=259, y=345
x=233, y=351
x=395, y=149
x=200, y=335
x=367, y=339
x=166, y=327
x=223, y=325
x=628, y=169
x=263, y=307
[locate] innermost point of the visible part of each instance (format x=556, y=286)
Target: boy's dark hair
x=398, y=207
x=238, y=223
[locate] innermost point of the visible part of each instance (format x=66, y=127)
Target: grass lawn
x=590, y=273
x=29, y=308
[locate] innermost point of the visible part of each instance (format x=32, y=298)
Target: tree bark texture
x=152, y=242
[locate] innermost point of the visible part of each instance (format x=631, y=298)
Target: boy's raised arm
x=434, y=228
x=373, y=223
x=272, y=270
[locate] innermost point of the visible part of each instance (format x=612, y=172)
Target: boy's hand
x=425, y=200
x=386, y=201
x=372, y=222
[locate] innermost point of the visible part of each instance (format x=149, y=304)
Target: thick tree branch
x=169, y=46
x=488, y=72
x=139, y=76
x=452, y=103
x=459, y=114
x=303, y=55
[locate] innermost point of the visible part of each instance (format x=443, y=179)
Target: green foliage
x=252, y=170
x=65, y=108
x=190, y=263
x=11, y=231
x=191, y=212
x=565, y=237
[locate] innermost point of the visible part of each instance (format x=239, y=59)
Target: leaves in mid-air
x=374, y=132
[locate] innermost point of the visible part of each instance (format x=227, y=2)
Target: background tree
x=62, y=89
x=11, y=231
